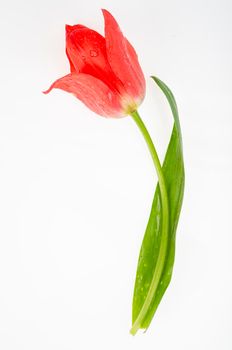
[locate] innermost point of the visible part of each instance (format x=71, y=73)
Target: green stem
x=165, y=221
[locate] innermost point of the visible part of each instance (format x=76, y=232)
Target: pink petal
x=123, y=58
x=95, y=94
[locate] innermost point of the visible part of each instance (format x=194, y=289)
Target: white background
x=76, y=189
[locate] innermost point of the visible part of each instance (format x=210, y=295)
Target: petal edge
x=95, y=94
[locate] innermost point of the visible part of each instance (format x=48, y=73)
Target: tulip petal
x=68, y=30
x=86, y=51
x=123, y=58
x=94, y=93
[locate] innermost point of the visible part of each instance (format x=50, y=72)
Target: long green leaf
x=173, y=170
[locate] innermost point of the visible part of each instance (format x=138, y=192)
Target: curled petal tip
x=45, y=92
x=104, y=11
x=109, y=19
x=68, y=28
x=107, y=16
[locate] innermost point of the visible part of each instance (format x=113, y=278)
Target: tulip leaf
x=173, y=172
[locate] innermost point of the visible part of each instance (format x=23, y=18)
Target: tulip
x=106, y=76
x=105, y=72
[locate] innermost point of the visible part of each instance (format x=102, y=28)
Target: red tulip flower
x=106, y=76
x=105, y=72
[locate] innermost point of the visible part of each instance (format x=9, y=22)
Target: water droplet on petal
x=93, y=53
